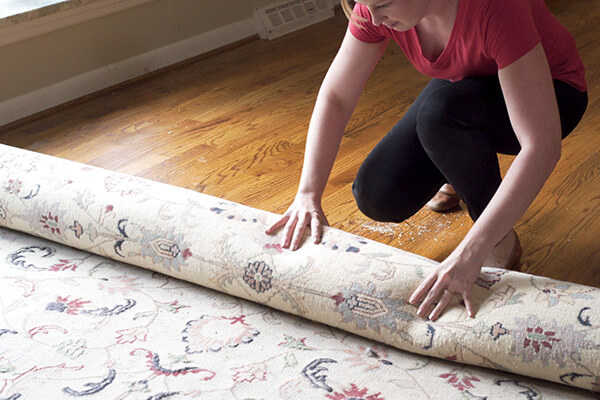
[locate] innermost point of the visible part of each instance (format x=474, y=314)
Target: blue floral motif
x=315, y=373
x=28, y=257
x=258, y=275
x=166, y=248
x=365, y=306
x=93, y=387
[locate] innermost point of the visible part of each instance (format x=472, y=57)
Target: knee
x=438, y=114
x=375, y=202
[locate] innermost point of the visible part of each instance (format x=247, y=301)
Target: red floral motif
x=13, y=186
x=249, y=373
x=274, y=246
x=45, y=329
x=63, y=265
x=547, y=341
x=132, y=335
x=536, y=337
x=371, y=358
x=186, y=254
x=354, y=393
x=173, y=306
x=50, y=222
x=153, y=361
x=63, y=304
x=121, y=284
x=460, y=380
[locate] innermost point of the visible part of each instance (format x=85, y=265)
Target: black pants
x=452, y=133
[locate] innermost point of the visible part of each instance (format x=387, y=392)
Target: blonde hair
x=348, y=7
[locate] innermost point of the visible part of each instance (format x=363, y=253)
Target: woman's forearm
x=531, y=103
x=522, y=183
x=325, y=133
x=338, y=96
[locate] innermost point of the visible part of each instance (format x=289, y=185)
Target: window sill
x=55, y=15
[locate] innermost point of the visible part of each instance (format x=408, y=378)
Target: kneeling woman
x=507, y=78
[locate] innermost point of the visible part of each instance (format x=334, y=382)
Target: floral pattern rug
x=79, y=318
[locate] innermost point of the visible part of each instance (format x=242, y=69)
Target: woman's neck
x=435, y=29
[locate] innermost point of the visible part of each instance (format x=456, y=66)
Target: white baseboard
x=101, y=78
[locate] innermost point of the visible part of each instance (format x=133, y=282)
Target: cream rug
x=77, y=321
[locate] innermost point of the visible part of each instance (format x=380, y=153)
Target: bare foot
x=506, y=253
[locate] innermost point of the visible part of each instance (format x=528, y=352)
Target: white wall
x=56, y=67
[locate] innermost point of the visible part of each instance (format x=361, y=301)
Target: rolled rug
x=528, y=325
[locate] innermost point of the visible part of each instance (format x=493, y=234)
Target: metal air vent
x=281, y=17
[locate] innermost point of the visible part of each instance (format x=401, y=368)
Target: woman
x=507, y=78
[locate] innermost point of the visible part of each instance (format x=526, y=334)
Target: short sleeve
x=366, y=32
x=510, y=31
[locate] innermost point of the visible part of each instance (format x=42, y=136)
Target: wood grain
x=232, y=124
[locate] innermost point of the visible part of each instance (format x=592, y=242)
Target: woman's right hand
x=302, y=213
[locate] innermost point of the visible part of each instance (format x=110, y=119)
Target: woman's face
x=400, y=15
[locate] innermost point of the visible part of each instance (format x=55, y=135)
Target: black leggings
x=452, y=133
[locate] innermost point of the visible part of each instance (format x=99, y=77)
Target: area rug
x=110, y=289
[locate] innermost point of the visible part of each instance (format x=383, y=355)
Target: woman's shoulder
x=363, y=29
x=500, y=9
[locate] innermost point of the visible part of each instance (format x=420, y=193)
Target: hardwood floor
x=233, y=125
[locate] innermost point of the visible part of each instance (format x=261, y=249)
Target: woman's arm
x=531, y=101
x=337, y=98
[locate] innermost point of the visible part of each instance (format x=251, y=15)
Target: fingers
x=316, y=230
x=441, y=305
x=277, y=225
x=295, y=224
x=469, y=303
x=432, y=297
x=422, y=290
x=288, y=232
x=299, y=231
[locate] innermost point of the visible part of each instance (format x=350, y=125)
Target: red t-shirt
x=488, y=35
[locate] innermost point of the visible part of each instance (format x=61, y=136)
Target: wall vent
x=285, y=16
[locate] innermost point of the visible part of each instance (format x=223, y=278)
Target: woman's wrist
x=310, y=195
x=471, y=251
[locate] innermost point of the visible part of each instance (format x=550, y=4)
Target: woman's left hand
x=455, y=275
